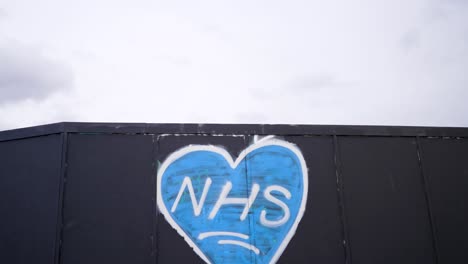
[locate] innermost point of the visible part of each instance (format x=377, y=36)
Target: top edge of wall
x=232, y=129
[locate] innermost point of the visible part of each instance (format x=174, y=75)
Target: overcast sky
x=368, y=62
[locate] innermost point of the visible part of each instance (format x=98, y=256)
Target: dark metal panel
x=63, y=170
x=385, y=204
x=171, y=247
x=29, y=193
x=341, y=200
x=318, y=238
x=108, y=209
x=445, y=165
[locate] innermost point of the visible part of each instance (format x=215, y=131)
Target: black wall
x=30, y=172
x=376, y=195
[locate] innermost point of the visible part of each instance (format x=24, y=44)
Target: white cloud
x=376, y=62
x=3, y=13
x=25, y=73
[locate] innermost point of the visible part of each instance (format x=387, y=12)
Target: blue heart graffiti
x=242, y=211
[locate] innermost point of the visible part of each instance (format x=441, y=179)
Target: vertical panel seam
x=341, y=202
x=155, y=223
x=427, y=197
x=61, y=199
x=247, y=140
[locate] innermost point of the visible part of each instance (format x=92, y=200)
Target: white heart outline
x=267, y=141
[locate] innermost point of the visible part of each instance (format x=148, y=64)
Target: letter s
x=271, y=198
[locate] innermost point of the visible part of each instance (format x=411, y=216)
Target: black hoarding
x=194, y=193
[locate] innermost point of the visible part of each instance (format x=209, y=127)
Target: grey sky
x=314, y=62
x=25, y=73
